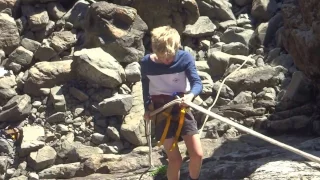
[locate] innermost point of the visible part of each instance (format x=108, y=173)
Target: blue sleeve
x=145, y=85
x=193, y=76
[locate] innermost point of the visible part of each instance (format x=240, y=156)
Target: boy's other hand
x=146, y=116
x=186, y=98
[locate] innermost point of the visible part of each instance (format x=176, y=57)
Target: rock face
x=174, y=13
x=99, y=67
x=301, y=34
x=70, y=80
x=47, y=75
x=10, y=35
x=117, y=29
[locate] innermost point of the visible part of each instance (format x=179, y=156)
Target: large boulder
x=255, y=79
x=99, y=67
x=301, y=35
x=176, y=13
x=7, y=87
x=16, y=109
x=133, y=127
x=217, y=9
x=10, y=37
x=263, y=10
x=76, y=15
x=47, y=75
x=117, y=29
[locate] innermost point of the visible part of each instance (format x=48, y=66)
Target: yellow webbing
x=181, y=121
x=165, y=131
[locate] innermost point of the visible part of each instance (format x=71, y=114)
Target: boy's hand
x=146, y=116
x=187, y=98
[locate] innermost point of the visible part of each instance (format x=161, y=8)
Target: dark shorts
x=189, y=127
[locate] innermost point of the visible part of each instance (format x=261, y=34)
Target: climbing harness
x=166, y=115
x=12, y=134
x=225, y=120
x=177, y=135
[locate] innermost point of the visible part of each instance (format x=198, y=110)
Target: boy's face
x=165, y=59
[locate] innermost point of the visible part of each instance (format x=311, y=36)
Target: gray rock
x=55, y=10
x=61, y=41
x=10, y=37
x=207, y=83
x=225, y=92
x=235, y=48
x=218, y=9
x=98, y=66
x=133, y=127
x=58, y=117
x=202, y=27
x=47, y=75
x=21, y=23
x=30, y=146
x=43, y=158
x=226, y=24
x=33, y=176
x=284, y=60
x=117, y=105
x=2, y=55
x=295, y=169
x=83, y=152
x=78, y=110
x=6, y=146
x=263, y=10
x=78, y=94
x=16, y=109
x=76, y=15
x=30, y=44
x=7, y=86
x=58, y=99
x=3, y=164
x=22, y=177
x=61, y=128
x=255, y=79
x=113, y=133
x=202, y=66
x=38, y=19
x=21, y=56
x=237, y=34
x=112, y=148
x=273, y=53
x=60, y=171
x=292, y=123
x=98, y=138
x=133, y=73
x=122, y=34
x=46, y=32
x=243, y=98
x=45, y=52
x=220, y=61
x=33, y=133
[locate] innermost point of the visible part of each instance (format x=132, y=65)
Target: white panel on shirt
x=168, y=83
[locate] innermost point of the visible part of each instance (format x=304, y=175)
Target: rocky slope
x=70, y=78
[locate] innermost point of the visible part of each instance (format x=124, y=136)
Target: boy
x=165, y=72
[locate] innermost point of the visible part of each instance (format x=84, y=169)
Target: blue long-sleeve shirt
x=180, y=76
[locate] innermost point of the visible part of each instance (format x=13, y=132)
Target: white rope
x=218, y=93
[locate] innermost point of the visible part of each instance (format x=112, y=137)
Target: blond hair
x=165, y=41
